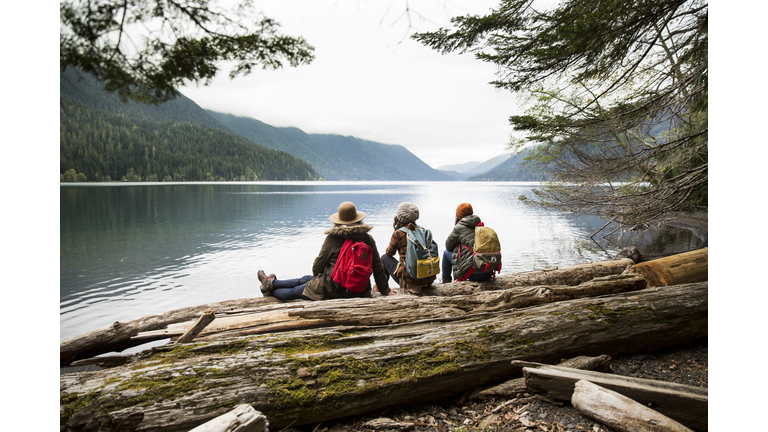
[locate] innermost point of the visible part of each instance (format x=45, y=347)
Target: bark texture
x=308, y=376
x=677, y=269
x=683, y=403
x=125, y=334
x=619, y=412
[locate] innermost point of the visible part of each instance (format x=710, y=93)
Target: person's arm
x=323, y=259
x=453, y=239
x=394, y=244
x=379, y=274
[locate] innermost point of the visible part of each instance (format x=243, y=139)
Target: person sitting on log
x=321, y=285
x=405, y=217
x=455, y=264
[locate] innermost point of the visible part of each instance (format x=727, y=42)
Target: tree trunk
x=397, y=309
x=117, y=337
x=619, y=412
x=683, y=403
x=309, y=376
x=120, y=335
x=513, y=388
x=569, y=276
x=677, y=269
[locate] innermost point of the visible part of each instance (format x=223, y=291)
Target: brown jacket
x=322, y=286
x=399, y=243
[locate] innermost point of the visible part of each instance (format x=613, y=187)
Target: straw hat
x=347, y=214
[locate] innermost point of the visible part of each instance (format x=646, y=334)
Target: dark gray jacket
x=463, y=232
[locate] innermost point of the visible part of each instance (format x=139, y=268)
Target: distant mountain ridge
x=133, y=149
x=336, y=157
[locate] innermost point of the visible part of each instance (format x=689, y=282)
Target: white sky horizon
x=371, y=81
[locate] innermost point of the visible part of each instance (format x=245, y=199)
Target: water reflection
x=133, y=250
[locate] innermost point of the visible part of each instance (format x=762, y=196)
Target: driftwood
x=568, y=276
x=514, y=387
x=207, y=317
x=397, y=309
x=683, y=403
x=677, y=269
x=117, y=337
x=241, y=419
x=122, y=334
x=619, y=412
x=309, y=376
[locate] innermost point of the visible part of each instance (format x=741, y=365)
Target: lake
x=134, y=249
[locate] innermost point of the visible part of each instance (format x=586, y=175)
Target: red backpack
x=354, y=266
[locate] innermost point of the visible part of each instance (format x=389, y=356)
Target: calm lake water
x=129, y=250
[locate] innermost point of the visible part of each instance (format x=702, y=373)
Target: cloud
x=371, y=81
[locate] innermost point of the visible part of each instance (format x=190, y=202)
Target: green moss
x=613, y=315
x=234, y=347
x=71, y=403
x=339, y=382
x=316, y=345
x=520, y=344
x=473, y=352
x=556, y=313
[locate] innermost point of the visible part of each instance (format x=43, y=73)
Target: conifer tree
x=615, y=97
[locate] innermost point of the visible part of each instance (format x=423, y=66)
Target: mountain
x=336, y=157
x=476, y=167
x=104, y=139
x=510, y=170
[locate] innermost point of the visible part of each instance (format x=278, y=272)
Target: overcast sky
x=371, y=81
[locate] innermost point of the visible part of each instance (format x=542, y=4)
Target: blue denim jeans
x=447, y=269
x=291, y=289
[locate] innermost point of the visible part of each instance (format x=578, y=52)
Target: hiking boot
x=266, y=282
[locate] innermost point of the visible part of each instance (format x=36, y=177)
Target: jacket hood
x=349, y=231
x=470, y=221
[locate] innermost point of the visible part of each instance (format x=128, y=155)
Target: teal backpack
x=421, y=257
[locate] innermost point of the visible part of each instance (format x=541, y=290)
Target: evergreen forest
x=108, y=140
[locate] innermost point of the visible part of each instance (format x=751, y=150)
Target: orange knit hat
x=464, y=209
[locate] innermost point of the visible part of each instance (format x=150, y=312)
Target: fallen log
x=683, y=403
x=513, y=388
x=568, y=276
x=117, y=337
x=677, y=269
x=397, y=309
x=241, y=419
x=310, y=376
x=619, y=412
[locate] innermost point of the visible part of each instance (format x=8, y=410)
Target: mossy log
x=121, y=335
x=117, y=337
x=395, y=309
x=309, y=376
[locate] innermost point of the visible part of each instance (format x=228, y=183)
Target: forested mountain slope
x=176, y=141
x=336, y=157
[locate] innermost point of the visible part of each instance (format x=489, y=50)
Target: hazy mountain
x=510, y=170
x=336, y=157
x=475, y=167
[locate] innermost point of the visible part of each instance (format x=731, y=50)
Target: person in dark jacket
x=457, y=257
x=348, y=223
x=405, y=216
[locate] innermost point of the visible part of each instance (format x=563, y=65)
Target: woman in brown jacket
x=348, y=223
x=405, y=216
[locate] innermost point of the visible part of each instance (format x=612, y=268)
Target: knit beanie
x=464, y=209
x=407, y=213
